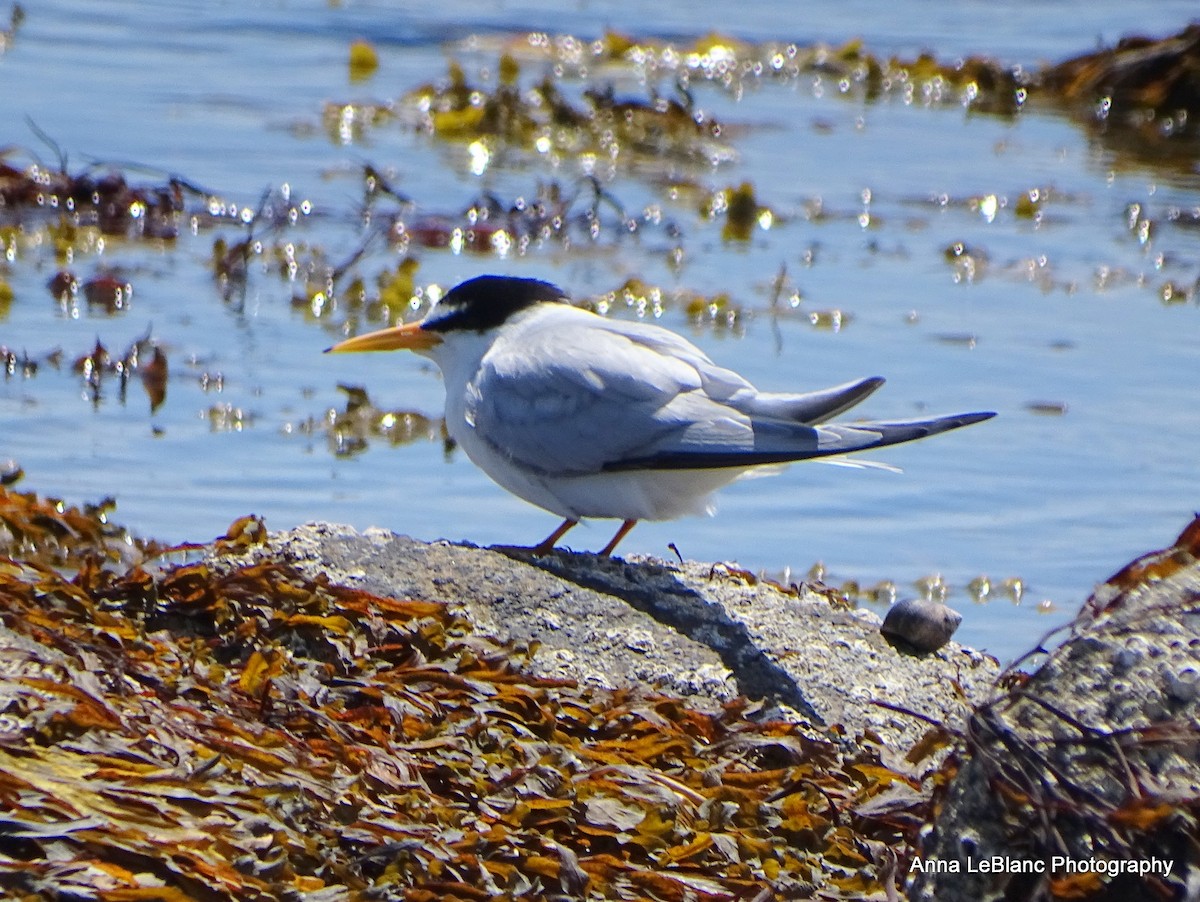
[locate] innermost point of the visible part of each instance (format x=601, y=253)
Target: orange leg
x=621, y=533
x=551, y=540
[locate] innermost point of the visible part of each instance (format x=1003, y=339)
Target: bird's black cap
x=486, y=302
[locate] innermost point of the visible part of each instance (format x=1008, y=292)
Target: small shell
x=925, y=625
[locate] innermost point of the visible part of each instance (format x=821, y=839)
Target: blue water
x=1065, y=312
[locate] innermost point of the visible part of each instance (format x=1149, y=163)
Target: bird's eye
x=443, y=318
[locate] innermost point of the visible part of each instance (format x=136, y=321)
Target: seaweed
x=232, y=728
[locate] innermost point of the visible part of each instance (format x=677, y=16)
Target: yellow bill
x=409, y=337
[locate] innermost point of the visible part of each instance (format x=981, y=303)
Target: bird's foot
x=547, y=545
x=541, y=548
x=523, y=551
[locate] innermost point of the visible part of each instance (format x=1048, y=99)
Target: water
x=1066, y=311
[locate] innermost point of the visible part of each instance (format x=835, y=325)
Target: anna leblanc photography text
x=1057, y=864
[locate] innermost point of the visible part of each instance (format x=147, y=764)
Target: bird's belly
x=642, y=494
x=625, y=495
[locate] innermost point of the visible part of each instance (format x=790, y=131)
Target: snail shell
x=925, y=625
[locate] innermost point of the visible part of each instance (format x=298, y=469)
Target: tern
x=585, y=416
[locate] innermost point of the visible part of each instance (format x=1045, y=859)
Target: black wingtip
x=968, y=419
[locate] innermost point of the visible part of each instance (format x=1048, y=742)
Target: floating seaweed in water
x=9, y=34
x=599, y=128
x=98, y=364
x=108, y=292
x=553, y=213
x=350, y=430
x=741, y=210
x=277, y=210
x=363, y=60
x=1139, y=73
x=92, y=199
x=1140, y=98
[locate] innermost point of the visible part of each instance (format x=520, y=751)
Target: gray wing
x=776, y=443
x=607, y=395
x=584, y=395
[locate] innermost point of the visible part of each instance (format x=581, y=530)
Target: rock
x=710, y=632
x=1093, y=758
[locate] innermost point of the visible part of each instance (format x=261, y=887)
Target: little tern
x=585, y=416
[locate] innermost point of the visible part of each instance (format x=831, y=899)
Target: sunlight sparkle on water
x=480, y=157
